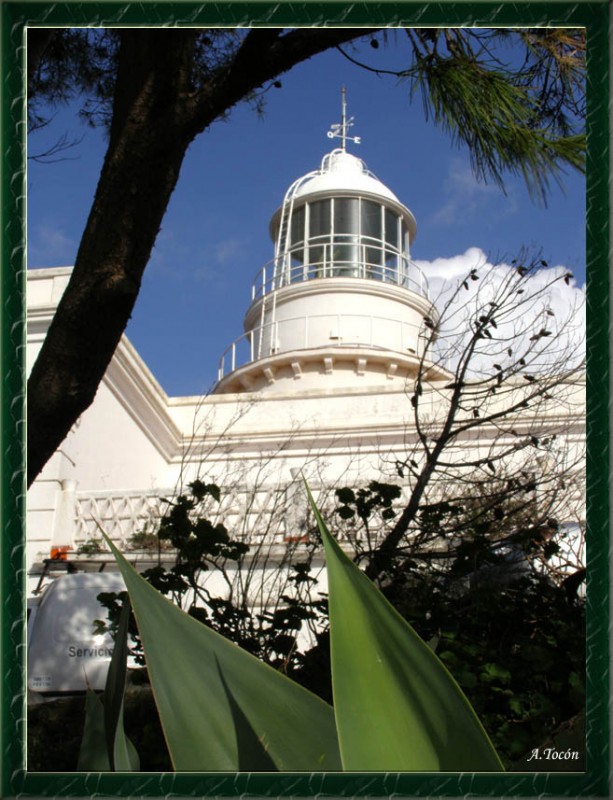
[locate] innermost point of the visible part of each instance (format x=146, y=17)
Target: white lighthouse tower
x=341, y=304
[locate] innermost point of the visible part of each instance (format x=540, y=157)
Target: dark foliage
x=513, y=638
x=193, y=545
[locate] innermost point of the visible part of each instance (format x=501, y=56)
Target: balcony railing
x=337, y=259
x=305, y=332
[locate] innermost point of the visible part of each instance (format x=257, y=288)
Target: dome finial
x=339, y=130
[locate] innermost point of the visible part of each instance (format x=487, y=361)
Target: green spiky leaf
x=389, y=683
x=220, y=707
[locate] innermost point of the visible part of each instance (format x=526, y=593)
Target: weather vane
x=339, y=129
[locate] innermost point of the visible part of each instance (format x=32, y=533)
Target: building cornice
x=128, y=378
x=138, y=391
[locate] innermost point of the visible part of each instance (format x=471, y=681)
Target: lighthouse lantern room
x=341, y=303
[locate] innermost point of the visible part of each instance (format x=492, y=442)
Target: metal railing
x=243, y=350
x=337, y=259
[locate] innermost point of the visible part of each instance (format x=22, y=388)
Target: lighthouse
x=341, y=303
x=337, y=333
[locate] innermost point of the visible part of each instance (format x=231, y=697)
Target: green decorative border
x=15, y=780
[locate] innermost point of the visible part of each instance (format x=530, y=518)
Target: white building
x=319, y=382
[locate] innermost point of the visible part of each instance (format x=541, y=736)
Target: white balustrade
x=241, y=351
x=375, y=262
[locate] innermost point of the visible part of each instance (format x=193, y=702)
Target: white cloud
x=168, y=254
x=49, y=246
x=215, y=268
x=465, y=196
x=546, y=302
x=228, y=250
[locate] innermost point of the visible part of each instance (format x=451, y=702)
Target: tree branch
x=255, y=65
x=156, y=113
x=37, y=42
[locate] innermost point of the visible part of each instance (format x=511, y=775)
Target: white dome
x=342, y=174
x=340, y=171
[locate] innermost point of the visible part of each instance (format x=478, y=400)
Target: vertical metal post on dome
x=340, y=130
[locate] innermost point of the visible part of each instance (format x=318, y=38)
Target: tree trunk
x=157, y=111
x=140, y=170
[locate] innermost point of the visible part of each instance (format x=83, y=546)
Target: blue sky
x=214, y=237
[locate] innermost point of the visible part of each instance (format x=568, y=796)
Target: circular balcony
x=340, y=258
x=345, y=331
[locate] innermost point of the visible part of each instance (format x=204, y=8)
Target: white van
x=64, y=653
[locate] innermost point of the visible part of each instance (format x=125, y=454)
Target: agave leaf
x=397, y=708
x=125, y=755
x=115, y=683
x=252, y=754
x=212, y=722
x=93, y=754
x=121, y=752
x=104, y=745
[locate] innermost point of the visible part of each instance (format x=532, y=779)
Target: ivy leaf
x=345, y=512
x=345, y=495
